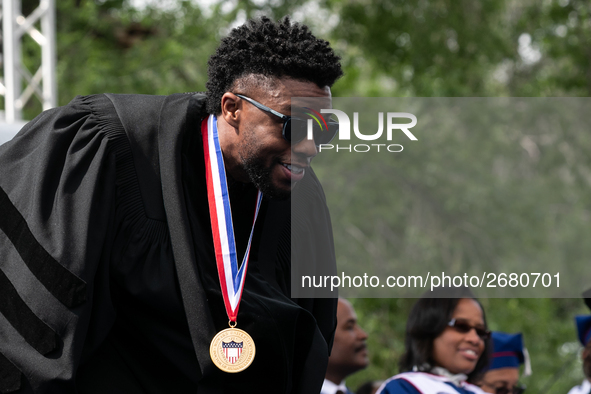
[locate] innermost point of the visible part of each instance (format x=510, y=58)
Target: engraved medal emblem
x=232, y=350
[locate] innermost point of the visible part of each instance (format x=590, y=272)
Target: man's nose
x=305, y=147
x=361, y=334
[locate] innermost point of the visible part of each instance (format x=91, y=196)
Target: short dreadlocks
x=271, y=49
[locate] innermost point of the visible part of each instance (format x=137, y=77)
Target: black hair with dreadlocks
x=271, y=49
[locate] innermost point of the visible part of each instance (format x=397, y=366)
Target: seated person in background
x=502, y=377
x=584, y=330
x=349, y=350
x=447, y=342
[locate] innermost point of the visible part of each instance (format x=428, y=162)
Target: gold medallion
x=232, y=350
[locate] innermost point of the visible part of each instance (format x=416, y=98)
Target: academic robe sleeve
x=58, y=182
x=312, y=253
x=71, y=206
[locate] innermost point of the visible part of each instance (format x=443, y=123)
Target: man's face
x=271, y=162
x=349, y=351
x=587, y=361
x=499, y=378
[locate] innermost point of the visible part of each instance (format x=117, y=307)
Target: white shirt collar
x=456, y=379
x=329, y=387
x=584, y=388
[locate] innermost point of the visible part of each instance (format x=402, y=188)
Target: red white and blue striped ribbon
x=220, y=213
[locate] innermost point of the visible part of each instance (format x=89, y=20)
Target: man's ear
x=586, y=353
x=586, y=356
x=231, y=109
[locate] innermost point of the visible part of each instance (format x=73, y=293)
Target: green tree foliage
x=425, y=48
x=111, y=47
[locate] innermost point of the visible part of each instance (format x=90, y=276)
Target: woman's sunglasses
x=465, y=327
x=296, y=129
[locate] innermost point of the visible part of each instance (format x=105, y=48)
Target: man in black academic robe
x=108, y=280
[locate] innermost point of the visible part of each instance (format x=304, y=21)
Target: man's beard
x=260, y=176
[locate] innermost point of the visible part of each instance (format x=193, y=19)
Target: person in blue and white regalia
x=502, y=377
x=447, y=343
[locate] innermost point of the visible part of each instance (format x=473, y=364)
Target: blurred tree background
x=389, y=48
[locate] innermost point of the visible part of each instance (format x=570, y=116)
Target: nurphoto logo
x=344, y=130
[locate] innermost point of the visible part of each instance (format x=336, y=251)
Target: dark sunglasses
x=465, y=327
x=517, y=389
x=510, y=390
x=296, y=129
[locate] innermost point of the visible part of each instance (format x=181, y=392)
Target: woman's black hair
x=428, y=318
x=265, y=48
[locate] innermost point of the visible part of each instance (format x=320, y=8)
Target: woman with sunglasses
x=447, y=342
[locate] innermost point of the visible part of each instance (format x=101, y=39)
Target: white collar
x=329, y=387
x=583, y=388
x=456, y=379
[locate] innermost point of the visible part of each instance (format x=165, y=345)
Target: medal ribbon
x=231, y=277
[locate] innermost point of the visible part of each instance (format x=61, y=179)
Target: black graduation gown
x=108, y=281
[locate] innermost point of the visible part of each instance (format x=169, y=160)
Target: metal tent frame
x=19, y=84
